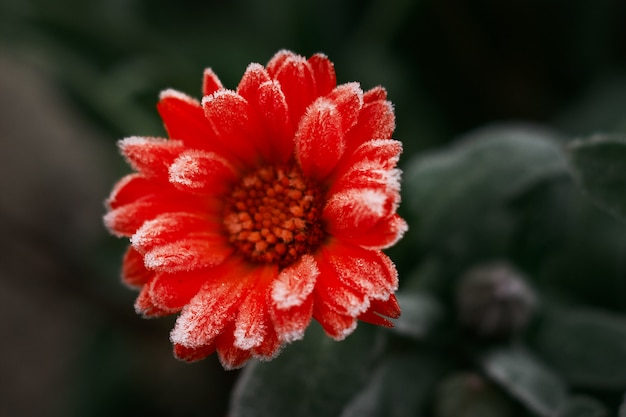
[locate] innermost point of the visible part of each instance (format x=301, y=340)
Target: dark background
x=76, y=76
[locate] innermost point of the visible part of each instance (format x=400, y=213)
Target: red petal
x=270, y=347
x=151, y=156
x=210, y=82
x=319, y=140
x=382, y=235
x=171, y=292
x=145, y=306
x=252, y=79
x=349, y=100
x=323, y=73
x=295, y=76
x=202, y=172
x=134, y=272
x=336, y=325
x=372, y=318
x=271, y=105
x=131, y=188
x=377, y=93
x=170, y=227
x=352, y=209
x=291, y=323
x=253, y=322
x=294, y=283
x=201, y=251
x=231, y=357
x=376, y=121
x=365, y=271
x=236, y=126
x=207, y=315
x=184, y=120
x=278, y=60
x=193, y=354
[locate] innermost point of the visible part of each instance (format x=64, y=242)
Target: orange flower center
x=273, y=215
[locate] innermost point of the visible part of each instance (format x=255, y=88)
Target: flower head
x=267, y=207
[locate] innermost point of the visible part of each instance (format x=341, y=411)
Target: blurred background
x=76, y=76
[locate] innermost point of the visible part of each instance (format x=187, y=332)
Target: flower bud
x=494, y=300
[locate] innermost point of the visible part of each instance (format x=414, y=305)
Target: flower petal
x=338, y=326
x=145, y=306
x=171, y=292
x=253, y=321
x=295, y=75
x=294, y=283
x=184, y=120
x=194, y=354
x=131, y=188
x=376, y=121
x=230, y=356
x=349, y=100
x=319, y=140
x=151, y=156
x=323, y=73
x=201, y=251
x=252, y=79
x=210, y=82
x=236, y=125
x=364, y=208
x=271, y=105
x=202, y=172
x=134, y=272
x=209, y=312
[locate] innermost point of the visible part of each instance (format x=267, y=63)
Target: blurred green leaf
x=526, y=379
x=587, y=347
x=420, y=312
x=399, y=387
x=469, y=395
x=313, y=377
x=583, y=407
x=448, y=189
x=599, y=165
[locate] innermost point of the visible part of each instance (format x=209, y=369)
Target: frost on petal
x=380, y=309
x=145, y=306
x=210, y=82
x=209, y=312
x=134, y=272
x=151, y=156
x=270, y=346
x=382, y=235
x=368, y=272
x=291, y=323
x=338, y=326
x=294, y=283
x=230, y=356
x=184, y=120
x=200, y=251
x=253, y=322
x=359, y=208
x=295, y=75
x=201, y=172
x=252, y=79
x=131, y=188
x=193, y=354
x=377, y=93
x=319, y=140
x=236, y=125
x=277, y=61
x=323, y=73
x=348, y=99
x=171, y=292
x=271, y=105
x=376, y=121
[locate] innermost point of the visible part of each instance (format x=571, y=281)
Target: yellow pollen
x=273, y=215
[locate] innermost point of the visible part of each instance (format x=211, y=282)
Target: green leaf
x=420, y=313
x=526, y=379
x=401, y=386
x=313, y=377
x=469, y=395
x=448, y=189
x=587, y=347
x=599, y=166
x=583, y=407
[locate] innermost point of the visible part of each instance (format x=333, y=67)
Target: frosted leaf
x=295, y=283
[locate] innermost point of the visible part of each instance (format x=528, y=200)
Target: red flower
x=266, y=207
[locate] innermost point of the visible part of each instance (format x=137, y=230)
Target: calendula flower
x=266, y=207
